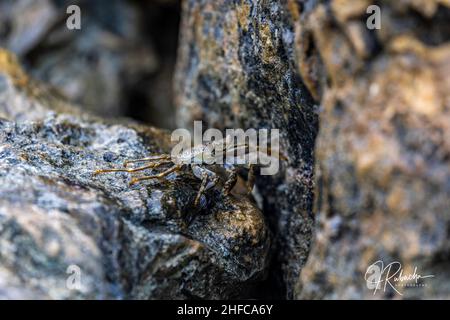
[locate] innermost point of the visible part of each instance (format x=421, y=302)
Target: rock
x=382, y=152
x=113, y=66
x=382, y=156
x=148, y=241
x=373, y=184
x=237, y=68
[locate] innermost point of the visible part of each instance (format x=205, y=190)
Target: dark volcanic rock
x=147, y=241
x=383, y=153
x=237, y=69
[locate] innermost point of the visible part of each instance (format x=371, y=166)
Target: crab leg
x=201, y=190
x=156, y=176
x=205, y=185
x=161, y=157
x=153, y=165
x=251, y=178
x=231, y=181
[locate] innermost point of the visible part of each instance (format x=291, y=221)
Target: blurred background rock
x=119, y=64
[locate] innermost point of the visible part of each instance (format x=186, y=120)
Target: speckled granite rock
x=146, y=241
x=383, y=152
x=237, y=69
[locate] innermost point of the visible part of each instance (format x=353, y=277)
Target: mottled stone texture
x=381, y=157
x=237, y=69
x=120, y=62
x=383, y=152
x=146, y=242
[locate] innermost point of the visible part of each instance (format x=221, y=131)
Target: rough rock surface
x=382, y=155
x=237, y=69
x=119, y=63
x=382, y=152
x=146, y=241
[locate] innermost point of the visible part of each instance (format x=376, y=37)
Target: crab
x=199, y=159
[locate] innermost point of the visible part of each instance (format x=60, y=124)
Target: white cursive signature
x=379, y=276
